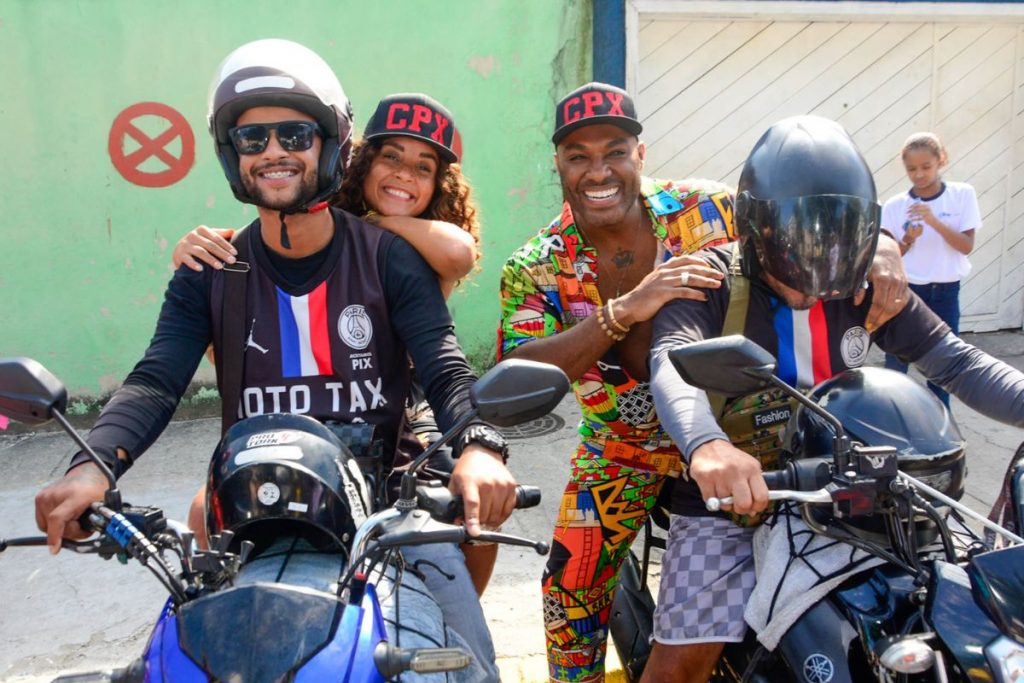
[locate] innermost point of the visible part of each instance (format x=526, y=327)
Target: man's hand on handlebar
x=487, y=488
x=60, y=504
x=720, y=469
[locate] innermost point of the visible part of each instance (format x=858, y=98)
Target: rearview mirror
x=516, y=391
x=28, y=392
x=731, y=366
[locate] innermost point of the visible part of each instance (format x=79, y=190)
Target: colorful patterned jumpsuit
x=547, y=286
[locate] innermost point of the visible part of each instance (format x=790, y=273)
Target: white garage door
x=709, y=77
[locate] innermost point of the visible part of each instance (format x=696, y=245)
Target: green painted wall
x=84, y=254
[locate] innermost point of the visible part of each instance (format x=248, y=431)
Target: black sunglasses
x=293, y=136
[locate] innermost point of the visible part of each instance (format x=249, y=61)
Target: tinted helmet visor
x=819, y=245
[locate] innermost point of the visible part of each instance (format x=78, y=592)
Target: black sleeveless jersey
x=325, y=348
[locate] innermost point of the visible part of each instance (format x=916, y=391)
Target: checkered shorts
x=707, y=575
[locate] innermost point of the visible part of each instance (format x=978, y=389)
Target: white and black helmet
x=285, y=471
x=280, y=73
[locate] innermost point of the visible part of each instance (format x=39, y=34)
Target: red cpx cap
x=417, y=116
x=595, y=103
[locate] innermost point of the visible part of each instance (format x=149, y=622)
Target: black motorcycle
x=912, y=592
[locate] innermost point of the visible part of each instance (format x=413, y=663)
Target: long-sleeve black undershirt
x=140, y=410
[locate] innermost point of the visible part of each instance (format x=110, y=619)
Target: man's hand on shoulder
x=720, y=469
x=59, y=505
x=487, y=488
x=889, y=281
x=680, y=277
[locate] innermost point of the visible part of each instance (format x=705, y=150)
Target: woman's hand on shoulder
x=204, y=245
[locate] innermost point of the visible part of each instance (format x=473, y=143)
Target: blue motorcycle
x=304, y=579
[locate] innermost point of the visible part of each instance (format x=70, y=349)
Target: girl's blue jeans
x=944, y=300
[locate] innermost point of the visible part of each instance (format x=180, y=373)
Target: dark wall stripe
x=610, y=42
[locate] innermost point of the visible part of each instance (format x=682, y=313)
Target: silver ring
x=684, y=278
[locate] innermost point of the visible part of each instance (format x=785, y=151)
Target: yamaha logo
x=818, y=669
x=355, y=327
x=854, y=346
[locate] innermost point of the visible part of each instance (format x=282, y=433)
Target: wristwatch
x=487, y=436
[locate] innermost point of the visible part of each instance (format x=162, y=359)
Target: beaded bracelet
x=619, y=327
x=604, y=326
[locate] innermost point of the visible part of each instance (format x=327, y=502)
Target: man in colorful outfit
x=556, y=308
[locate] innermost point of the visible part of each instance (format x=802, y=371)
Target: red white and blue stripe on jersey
x=305, y=342
x=803, y=353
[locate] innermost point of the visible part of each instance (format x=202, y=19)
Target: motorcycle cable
x=940, y=523
x=116, y=526
x=836, y=534
x=903, y=542
x=346, y=581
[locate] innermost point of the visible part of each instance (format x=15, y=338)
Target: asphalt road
x=70, y=612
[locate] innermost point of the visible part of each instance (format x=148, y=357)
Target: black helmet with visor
x=282, y=470
x=807, y=210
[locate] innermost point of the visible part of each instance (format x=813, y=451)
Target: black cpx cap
x=416, y=115
x=595, y=103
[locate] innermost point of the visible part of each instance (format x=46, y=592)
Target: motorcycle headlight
x=1006, y=657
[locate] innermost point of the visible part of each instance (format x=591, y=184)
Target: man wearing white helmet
x=332, y=308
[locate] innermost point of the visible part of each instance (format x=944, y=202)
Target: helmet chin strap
x=285, y=242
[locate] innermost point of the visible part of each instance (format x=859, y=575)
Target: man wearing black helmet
x=329, y=311
x=808, y=224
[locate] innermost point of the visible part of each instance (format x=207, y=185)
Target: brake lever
x=91, y=545
x=820, y=496
x=418, y=528
x=540, y=547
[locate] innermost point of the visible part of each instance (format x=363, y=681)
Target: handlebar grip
x=527, y=497
x=86, y=521
x=778, y=479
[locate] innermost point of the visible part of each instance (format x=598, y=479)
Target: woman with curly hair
x=405, y=177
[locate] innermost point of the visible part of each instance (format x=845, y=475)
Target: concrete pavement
x=73, y=613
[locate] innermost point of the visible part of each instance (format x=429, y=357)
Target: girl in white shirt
x=935, y=222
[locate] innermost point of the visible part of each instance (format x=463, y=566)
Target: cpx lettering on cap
x=595, y=103
x=419, y=116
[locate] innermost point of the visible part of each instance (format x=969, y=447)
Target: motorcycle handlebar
x=527, y=497
x=445, y=507
x=800, y=480
x=777, y=480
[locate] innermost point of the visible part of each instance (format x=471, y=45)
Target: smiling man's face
x=275, y=178
x=599, y=166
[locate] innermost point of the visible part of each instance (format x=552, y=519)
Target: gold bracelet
x=604, y=326
x=619, y=327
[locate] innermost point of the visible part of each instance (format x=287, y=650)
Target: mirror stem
x=841, y=443
x=112, y=499
x=408, y=486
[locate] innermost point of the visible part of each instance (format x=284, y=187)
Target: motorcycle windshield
x=998, y=581
x=258, y=632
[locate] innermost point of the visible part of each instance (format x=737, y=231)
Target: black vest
x=326, y=348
